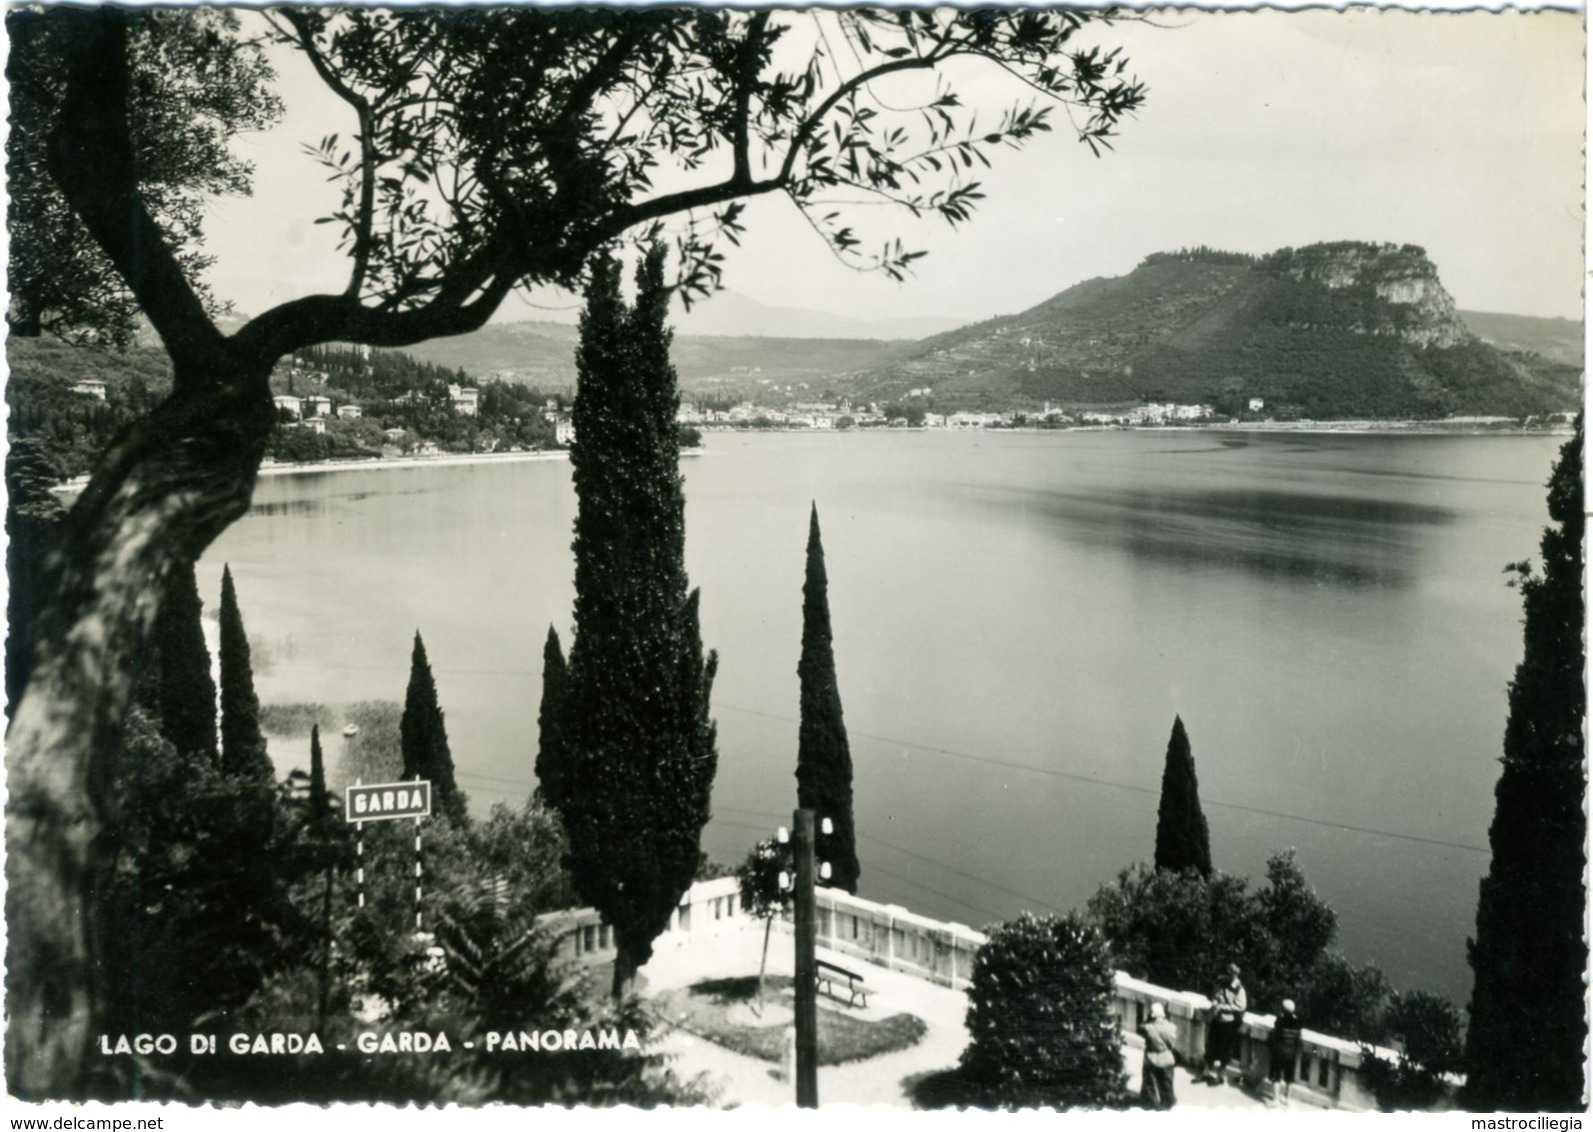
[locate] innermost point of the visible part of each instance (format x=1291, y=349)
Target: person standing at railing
x=1156, y=1075
x=1227, y=1012
x=1283, y=1050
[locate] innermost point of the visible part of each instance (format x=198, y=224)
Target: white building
x=317, y=406
x=1257, y=404
x=464, y=399
x=289, y=402
x=90, y=388
x=564, y=432
x=350, y=412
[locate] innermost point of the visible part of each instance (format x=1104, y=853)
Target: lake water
x=1018, y=617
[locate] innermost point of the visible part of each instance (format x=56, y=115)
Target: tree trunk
x=162, y=493
x=763, y=964
x=625, y=967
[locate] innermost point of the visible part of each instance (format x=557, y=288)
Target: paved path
x=742, y=1080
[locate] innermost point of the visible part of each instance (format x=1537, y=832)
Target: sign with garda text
x=386, y=801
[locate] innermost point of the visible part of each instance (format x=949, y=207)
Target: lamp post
x=807, y=1007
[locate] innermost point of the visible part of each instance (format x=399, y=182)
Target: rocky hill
x=1330, y=331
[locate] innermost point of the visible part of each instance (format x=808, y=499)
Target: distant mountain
x=728, y=314
x=543, y=354
x=1557, y=339
x=1329, y=331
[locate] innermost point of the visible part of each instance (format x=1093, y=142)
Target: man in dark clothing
x=1283, y=1050
x=1227, y=1012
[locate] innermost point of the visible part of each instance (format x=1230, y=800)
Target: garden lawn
x=707, y=1009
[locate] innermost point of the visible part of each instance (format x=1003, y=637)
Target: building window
x=730, y=905
x=854, y=927
x=590, y=934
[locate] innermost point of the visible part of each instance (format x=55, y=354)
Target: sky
x=1461, y=133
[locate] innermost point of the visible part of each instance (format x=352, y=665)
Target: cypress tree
x=185, y=691
x=424, y=739
x=1525, y=1044
x=320, y=801
x=243, y=747
x=824, y=758
x=640, y=757
x=552, y=752
x=1182, y=839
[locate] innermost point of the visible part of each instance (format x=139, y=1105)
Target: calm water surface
x=1018, y=618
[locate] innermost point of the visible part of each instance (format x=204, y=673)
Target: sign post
x=388, y=801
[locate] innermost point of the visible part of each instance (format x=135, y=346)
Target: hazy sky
x=1458, y=132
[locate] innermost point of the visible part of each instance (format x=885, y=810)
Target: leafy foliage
x=1181, y=930
x=196, y=85
x=824, y=758
x=195, y=896
x=507, y=117
x=1182, y=839
x=495, y=148
x=1526, y=1042
x=1427, y=1028
x=759, y=879
x=424, y=738
x=1341, y=998
x=641, y=757
x=1041, y=1022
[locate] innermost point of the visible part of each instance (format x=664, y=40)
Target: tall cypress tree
x=1182, y=839
x=552, y=751
x=1525, y=1044
x=185, y=691
x=243, y=747
x=824, y=758
x=320, y=801
x=640, y=755
x=424, y=739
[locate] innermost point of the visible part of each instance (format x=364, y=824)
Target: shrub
x=1427, y=1027
x=1041, y=1018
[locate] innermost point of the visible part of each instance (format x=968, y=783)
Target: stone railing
x=893, y=937
x=1327, y=1072
x=709, y=908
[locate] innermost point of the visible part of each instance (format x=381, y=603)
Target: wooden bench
x=829, y=972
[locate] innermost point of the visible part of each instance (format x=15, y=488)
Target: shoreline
x=1349, y=428
x=1300, y=428
x=452, y=459
x=449, y=459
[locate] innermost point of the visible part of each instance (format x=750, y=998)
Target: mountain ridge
x=1334, y=330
